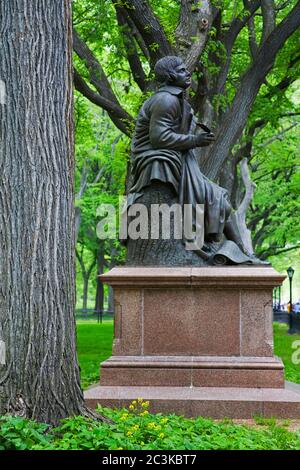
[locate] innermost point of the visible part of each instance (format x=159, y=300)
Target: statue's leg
x=232, y=233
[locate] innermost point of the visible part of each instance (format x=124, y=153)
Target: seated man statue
x=165, y=171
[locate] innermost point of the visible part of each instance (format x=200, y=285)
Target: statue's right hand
x=204, y=139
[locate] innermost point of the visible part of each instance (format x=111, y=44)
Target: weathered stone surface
x=191, y=322
x=128, y=321
x=202, y=401
x=189, y=371
x=193, y=311
x=256, y=323
x=236, y=276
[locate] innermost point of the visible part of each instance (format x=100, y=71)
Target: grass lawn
x=283, y=348
x=95, y=344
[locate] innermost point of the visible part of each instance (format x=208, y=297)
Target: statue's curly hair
x=164, y=66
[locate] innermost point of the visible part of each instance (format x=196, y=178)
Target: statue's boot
x=232, y=233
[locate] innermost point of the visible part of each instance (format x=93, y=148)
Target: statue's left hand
x=204, y=139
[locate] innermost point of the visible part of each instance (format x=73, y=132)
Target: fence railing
x=91, y=314
x=281, y=316
x=294, y=323
x=291, y=319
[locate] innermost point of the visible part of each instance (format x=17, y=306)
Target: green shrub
x=136, y=428
x=21, y=434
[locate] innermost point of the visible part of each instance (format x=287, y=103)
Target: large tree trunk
x=40, y=376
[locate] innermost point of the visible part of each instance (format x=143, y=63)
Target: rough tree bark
x=39, y=377
x=148, y=26
x=192, y=30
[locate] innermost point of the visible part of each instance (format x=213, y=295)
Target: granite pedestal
x=196, y=341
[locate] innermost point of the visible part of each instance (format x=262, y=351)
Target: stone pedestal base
x=196, y=341
x=192, y=371
x=210, y=402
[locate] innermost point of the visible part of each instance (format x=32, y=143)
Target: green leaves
x=135, y=429
x=21, y=434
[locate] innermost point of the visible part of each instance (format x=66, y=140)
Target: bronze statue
x=165, y=171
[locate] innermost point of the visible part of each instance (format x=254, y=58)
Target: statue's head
x=171, y=70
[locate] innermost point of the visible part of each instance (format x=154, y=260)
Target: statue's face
x=180, y=76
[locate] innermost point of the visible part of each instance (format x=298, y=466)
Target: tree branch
x=289, y=114
x=261, y=216
x=149, y=27
x=85, y=272
x=277, y=136
x=192, y=31
x=275, y=172
x=245, y=150
x=272, y=251
x=131, y=51
x=277, y=38
x=98, y=78
x=261, y=233
x=96, y=73
x=234, y=9
x=253, y=46
x=92, y=265
x=138, y=37
x=283, y=5
x=83, y=182
x=118, y=115
x=235, y=118
x=80, y=259
x=269, y=18
x=230, y=37
x=201, y=93
x=238, y=23
x=287, y=80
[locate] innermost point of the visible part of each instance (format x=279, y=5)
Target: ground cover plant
x=137, y=429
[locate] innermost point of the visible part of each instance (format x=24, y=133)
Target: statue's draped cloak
x=162, y=149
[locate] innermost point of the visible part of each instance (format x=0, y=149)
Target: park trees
x=244, y=57
x=100, y=177
x=39, y=373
